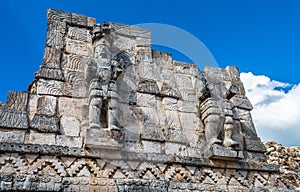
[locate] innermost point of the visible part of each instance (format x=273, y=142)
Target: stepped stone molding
x=107, y=113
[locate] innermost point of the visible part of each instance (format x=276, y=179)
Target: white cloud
x=276, y=112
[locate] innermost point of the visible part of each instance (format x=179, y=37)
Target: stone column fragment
x=13, y=113
x=45, y=119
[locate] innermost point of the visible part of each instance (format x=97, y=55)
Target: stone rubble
x=288, y=158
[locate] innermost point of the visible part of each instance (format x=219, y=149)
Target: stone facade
x=105, y=112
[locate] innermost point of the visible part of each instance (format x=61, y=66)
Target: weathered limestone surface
x=107, y=113
x=288, y=158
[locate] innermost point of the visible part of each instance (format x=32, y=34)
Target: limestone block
x=45, y=123
x=54, y=14
x=176, y=135
x=47, y=105
x=255, y=145
x=132, y=139
x=185, y=81
x=168, y=90
x=74, y=79
x=172, y=119
x=32, y=106
x=148, y=71
x=162, y=59
x=41, y=138
x=50, y=73
x=64, y=140
x=91, y=21
x=151, y=147
x=124, y=43
x=186, y=86
x=195, y=152
x=148, y=86
x=127, y=30
x=12, y=137
x=176, y=149
x=99, y=138
x=149, y=116
x=69, y=126
x=248, y=129
x=186, y=68
x=71, y=107
x=126, y=88
x=78, y=47
x=215, y=74
x=51, y=67
x=146, y=100
x=189, y=126
x=188, y=95
x=77, y=19
x=49, y=87
x=73, y=62
x=234, y=75
x=143, y=56
x=52, y=57
x=224, y=153
x=237, y=134
x=13, y=113
x=55, y=34
x=80, y=34
x=128, y=115
x=45, y=118
x=153, y=133
x=187, y=106
x=242, y=102
x=143, y=42
x=76, y=90
x=170, y=104
x=167, y=75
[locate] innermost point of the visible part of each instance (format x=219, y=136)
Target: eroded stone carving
x=45, y=119
x=107, y=113
x=13, y=113
x=217, y=115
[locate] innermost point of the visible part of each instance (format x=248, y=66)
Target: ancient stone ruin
x=105, y=112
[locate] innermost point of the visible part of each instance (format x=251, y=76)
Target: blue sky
x=259, y=36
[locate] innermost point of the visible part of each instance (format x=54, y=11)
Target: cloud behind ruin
x=276, y=112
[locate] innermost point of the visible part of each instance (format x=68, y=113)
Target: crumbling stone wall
x=105, y=112
x=288, y=158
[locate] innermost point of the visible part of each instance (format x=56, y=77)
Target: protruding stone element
x=152, y=132
x=224, y=153
x=148, y=86
x=242, y=108
x=216, y=109
x=13, y=113
x=100, y=30
x=51, y=68
x=152, y=146
x=49, y=87
x=41, y=138
x=64, y=140
x=12, y=137
x=45, y=119
x=55, y=34
x=78, y=47
x=103, y=139
x=69, y=126
x=103, y=97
